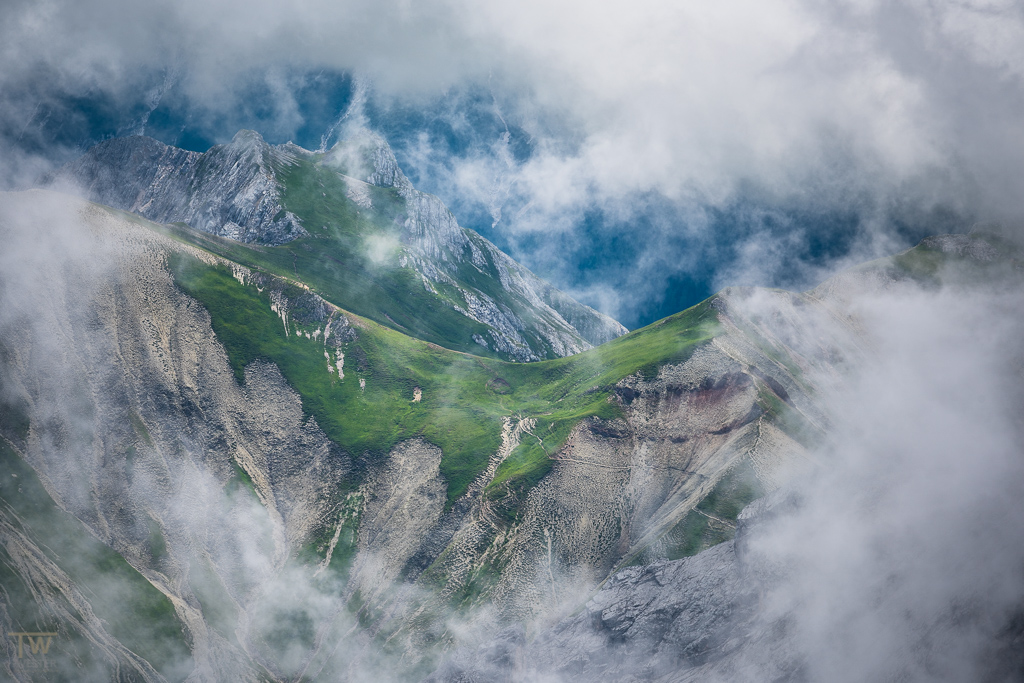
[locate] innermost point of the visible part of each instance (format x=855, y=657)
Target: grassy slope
x=381, y=291
x=933, y=268
x=351, y=256
x=464, y=396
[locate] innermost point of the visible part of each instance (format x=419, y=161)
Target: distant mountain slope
x=349, y=223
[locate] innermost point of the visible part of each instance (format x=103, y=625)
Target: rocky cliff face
x=137, y=426
x=710, y=617
x=653, y=622
x=238, y=191
x=231, y=191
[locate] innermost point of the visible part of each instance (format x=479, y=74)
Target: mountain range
x=272, y=415
x=348, y=222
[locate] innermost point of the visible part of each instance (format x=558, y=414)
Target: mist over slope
x=274, y=414
x=895, y=557
x=316, y=495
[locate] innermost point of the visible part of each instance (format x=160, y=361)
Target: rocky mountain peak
x=230, y=191
x=246, y=136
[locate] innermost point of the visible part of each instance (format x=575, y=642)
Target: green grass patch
x=157, y=544
x=931, y=267
x=920, y=263
x=788, y=419
x=464, y=397
x=140, y=427
x=315, y=550
x=242, y=479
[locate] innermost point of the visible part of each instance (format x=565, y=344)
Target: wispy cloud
x=899, y=562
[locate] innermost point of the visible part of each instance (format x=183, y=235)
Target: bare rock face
x=231, y=191
x=402, y=503
x=712, y=617
x=617, y=487
x=678, y=620
x=646, y=623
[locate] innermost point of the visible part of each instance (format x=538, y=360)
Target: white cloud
x=901, y=560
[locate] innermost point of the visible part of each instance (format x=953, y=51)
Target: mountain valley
x=250, y=434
